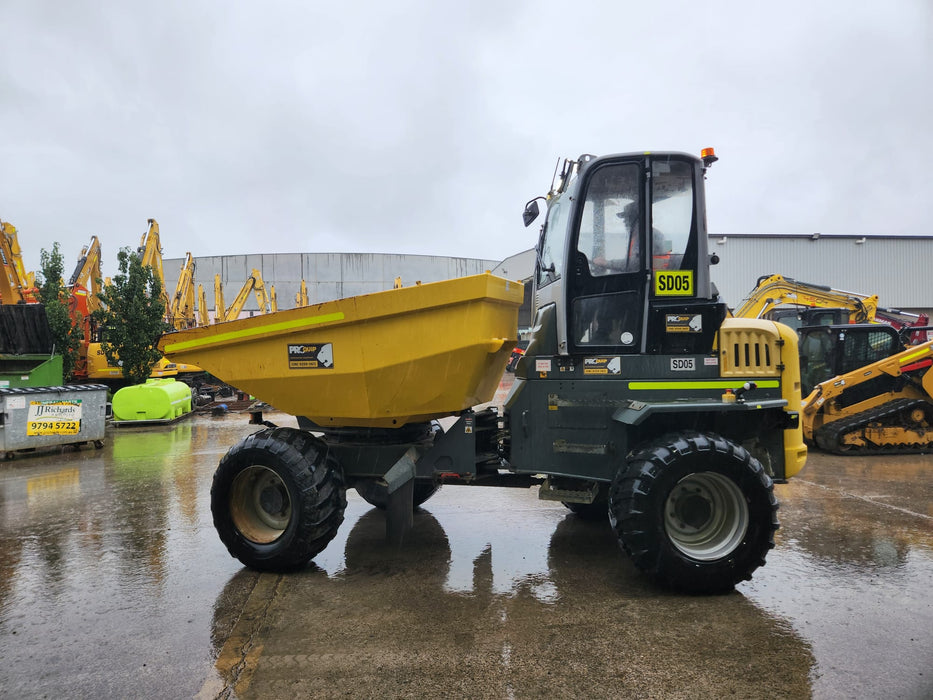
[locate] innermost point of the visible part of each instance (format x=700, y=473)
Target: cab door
x=608, y=279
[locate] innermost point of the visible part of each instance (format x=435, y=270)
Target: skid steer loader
x=867, y=392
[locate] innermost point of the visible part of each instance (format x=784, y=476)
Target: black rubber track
x=830, y=436
x=315, y=486
x=640, y=490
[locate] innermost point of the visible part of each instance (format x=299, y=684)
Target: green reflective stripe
x=258, y=330
x=712, y=384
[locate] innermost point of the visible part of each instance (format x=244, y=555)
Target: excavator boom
x=182, y=307
x=776, y=290
x=16, y=285
x=259, y=287
x=253, y=282
x=911, y=325
x=85, y=282
x=150, y=255
x=219, y=306
x=203, y=317
x=301, y=298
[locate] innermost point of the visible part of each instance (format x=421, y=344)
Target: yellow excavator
x=219, y=305
x=98, y=368
x=203, y=318
x=84, y=285
x=150, y=255
x=16, y=285
x=87, y=275
x=867, y=392
x=301, y=297
x=181, y=312
x=254, y=283
x=797, y=304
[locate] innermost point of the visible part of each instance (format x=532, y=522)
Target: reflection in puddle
x=854, y=581
x=111, y=555
x=472, y=564
x=495, y=593
x=843, y=576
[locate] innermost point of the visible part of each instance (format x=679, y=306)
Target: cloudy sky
x=423, y=127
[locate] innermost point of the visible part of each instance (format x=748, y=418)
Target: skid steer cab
x=636, y=399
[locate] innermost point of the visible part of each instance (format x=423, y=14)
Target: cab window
x=671, y=213
x=553, y=243
x=861, y=349
x=610, y=222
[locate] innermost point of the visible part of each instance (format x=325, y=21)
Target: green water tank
x=157, y=399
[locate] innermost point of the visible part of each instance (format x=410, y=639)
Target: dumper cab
x=622, y=258
x=631, y=339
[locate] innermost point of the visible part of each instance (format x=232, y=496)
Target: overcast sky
x=423, y=127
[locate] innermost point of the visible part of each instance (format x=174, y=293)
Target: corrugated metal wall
x=327, y=275
x=896, y=268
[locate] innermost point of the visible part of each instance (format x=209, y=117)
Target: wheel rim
x=260, y=506
x=706, y=516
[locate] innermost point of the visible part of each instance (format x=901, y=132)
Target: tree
x=66, y=331
x=132, y=318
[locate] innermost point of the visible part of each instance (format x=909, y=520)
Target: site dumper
x=636, y=397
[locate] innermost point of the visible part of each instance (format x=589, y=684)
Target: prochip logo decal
x=311, y=356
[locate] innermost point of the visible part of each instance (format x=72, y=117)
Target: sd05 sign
x=673, y=283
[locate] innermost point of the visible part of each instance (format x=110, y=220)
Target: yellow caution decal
x=673, y=283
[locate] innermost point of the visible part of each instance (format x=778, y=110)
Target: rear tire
x=277, y=499
x=696, y=512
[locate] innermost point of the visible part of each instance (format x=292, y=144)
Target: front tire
x=696, y=512
x=278, y=498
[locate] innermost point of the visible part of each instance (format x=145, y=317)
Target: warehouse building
x=327, y=276
x=896, y=268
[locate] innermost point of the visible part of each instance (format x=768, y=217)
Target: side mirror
x=714, y=259
x=531, y=212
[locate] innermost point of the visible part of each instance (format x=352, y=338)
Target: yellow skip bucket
x=376, y=360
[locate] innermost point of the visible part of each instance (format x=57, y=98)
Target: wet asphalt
x=113, y=583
